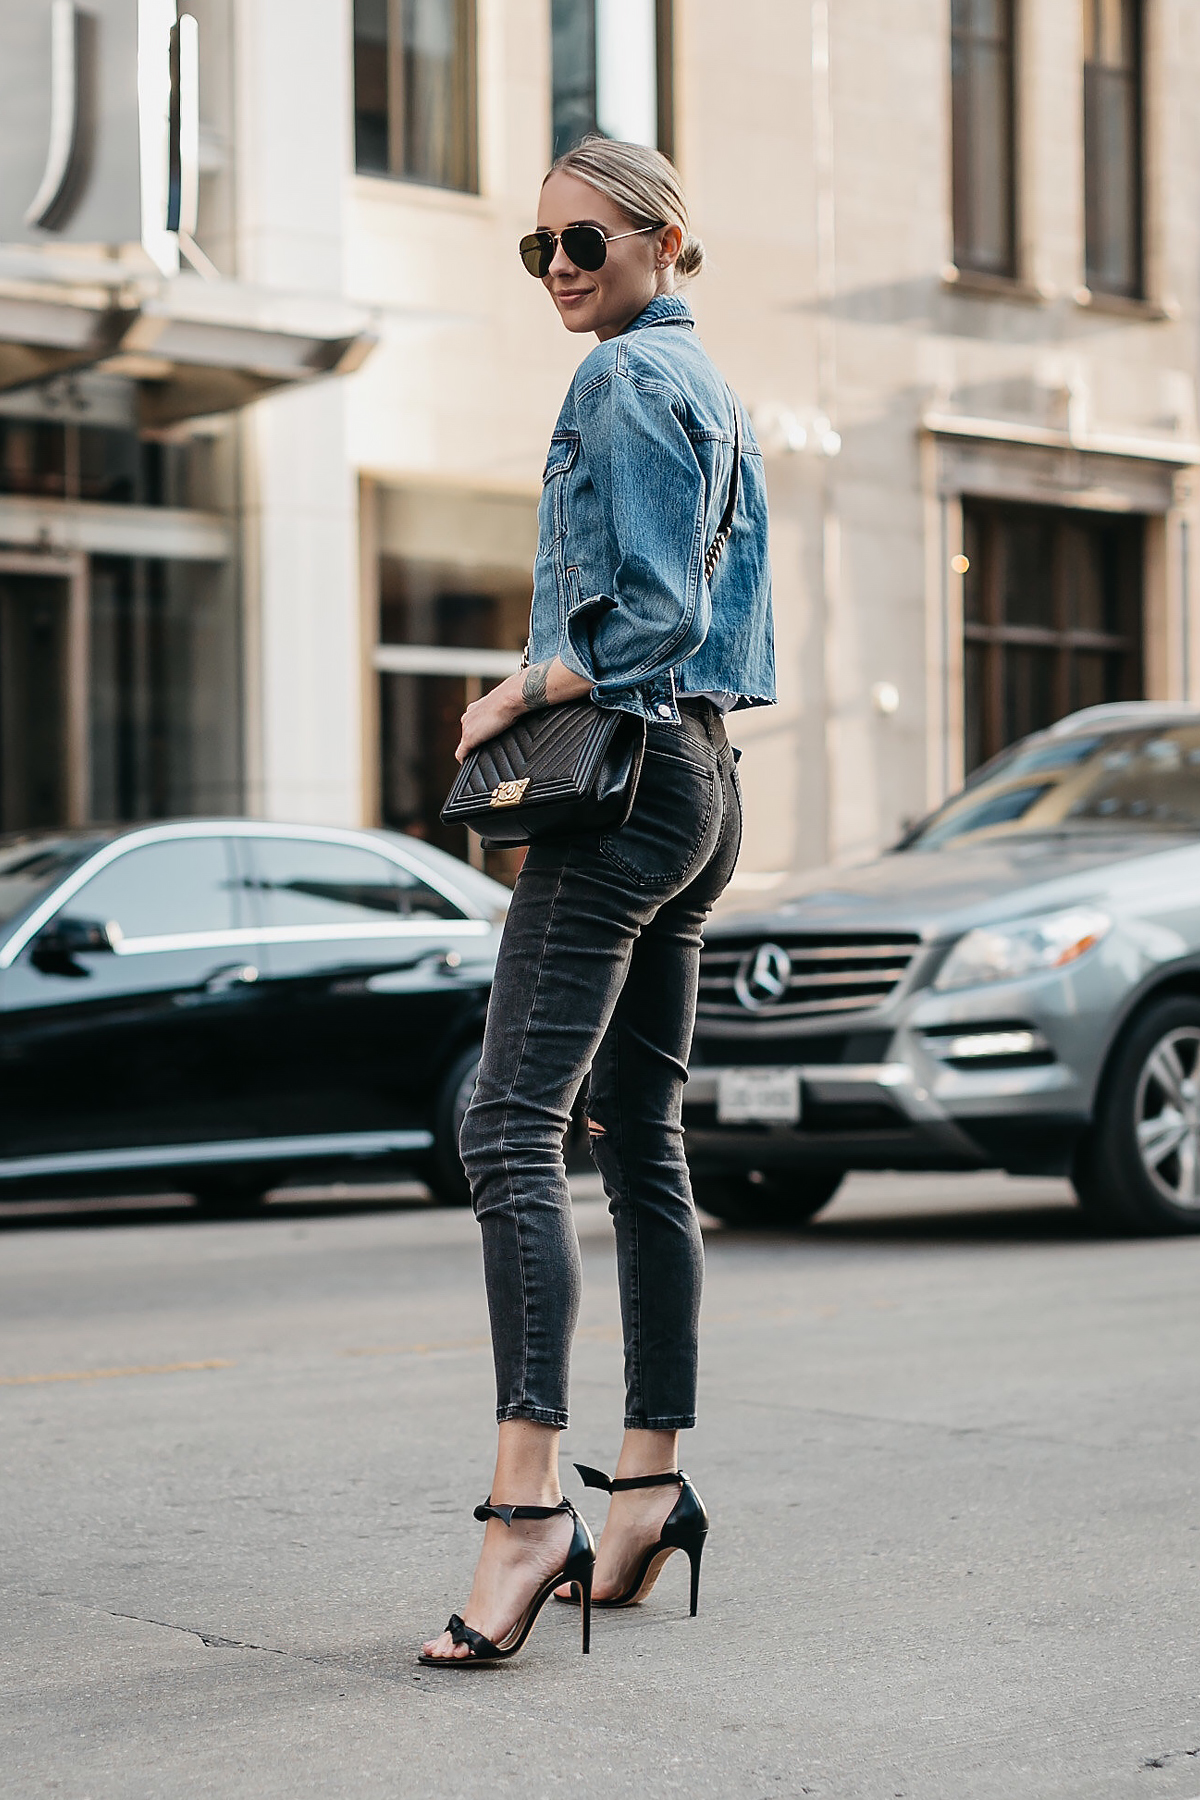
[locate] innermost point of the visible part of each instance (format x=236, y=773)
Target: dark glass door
x=34, y=619
x=447, y=636
x=1052, y=618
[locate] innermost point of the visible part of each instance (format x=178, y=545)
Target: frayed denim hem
x=541, y=1415
x=681, y=1422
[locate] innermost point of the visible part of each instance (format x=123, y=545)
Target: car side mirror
x=57, y=945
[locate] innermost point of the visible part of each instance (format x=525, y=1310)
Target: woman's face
x=635, y=270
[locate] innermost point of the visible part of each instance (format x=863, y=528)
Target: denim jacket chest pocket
x=552, y=512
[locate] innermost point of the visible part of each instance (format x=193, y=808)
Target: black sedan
x=218, y=1006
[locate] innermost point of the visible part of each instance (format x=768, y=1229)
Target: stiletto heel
x=585, y=1605
x=578, y=1568
x=685, y=1529
x=694, y=1555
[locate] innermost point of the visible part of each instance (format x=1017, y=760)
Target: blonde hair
x=642, y=182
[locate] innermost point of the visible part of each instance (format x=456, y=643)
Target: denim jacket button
x=664, y=711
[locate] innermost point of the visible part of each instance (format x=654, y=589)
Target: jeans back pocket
x=661, y=842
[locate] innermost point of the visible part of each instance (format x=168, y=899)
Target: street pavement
x=949, y=1443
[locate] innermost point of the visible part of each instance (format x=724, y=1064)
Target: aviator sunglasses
x=585, y=245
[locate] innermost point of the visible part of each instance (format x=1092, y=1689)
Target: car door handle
x=233, y=976
x=221, y=984
x=400, y=980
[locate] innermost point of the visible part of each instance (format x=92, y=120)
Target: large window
x=612, y=71
x=1112, y=129
x=1052, y=607
x=61, y=459
x=415, y=91
x=984, y=154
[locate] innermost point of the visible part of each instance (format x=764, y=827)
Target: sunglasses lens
x=585, y=246
x=537, y=253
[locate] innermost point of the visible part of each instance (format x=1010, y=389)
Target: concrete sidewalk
x=949, y=1443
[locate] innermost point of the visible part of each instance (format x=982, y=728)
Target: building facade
x=953, y=272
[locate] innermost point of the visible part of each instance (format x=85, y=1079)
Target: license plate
x=758, y=1096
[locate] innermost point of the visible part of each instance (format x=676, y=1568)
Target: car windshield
x=29, y=867
x=1133, y=779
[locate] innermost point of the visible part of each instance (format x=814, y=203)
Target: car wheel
x=1138, y=1169
x=761, y=1199
x=233, y=1197
x=446, y=1174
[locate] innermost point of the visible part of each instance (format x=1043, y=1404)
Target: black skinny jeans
x=598, y=970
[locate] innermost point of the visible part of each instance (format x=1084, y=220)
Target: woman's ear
x=669, y=245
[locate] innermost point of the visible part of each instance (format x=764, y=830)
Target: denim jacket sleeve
x=650, y=489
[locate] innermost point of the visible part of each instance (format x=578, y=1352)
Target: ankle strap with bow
x=596, y=1478
x=506, y=1514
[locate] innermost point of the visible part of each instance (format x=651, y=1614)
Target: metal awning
x=195, y=347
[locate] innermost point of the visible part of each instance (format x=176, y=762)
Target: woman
x=599, y=963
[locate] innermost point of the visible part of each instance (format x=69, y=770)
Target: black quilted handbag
x=566, y=768
x=569, y=768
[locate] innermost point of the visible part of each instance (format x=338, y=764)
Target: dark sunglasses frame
x=586, y=246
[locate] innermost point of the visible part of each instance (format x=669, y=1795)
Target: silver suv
x=1015, y=986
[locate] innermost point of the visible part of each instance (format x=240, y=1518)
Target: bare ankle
x=526, y=1464
x=647, y=1453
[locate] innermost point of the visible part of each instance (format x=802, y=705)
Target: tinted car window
x=163, y=890
x=997, y=809
x=310, y=883
x=1132, y=778
x=28, y=870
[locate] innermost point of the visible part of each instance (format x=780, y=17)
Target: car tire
x=765, y=1200
x=1138, y=1169
x=232, y=1197
x=445, y=1174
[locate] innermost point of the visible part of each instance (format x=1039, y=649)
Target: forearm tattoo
x=533, y=688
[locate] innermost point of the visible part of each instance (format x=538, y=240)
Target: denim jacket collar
x=664, y=309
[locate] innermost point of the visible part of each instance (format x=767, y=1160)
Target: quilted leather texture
x=574, y=757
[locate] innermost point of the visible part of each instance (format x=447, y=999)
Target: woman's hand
x=494, y=712
x=546, y=684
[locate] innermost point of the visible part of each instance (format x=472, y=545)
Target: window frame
x=664, y=73
x=964, y=204
x=466, y=102
x=1097, y=181
x=665, y=46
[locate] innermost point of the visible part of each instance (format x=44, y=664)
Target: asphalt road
x=949, y=1443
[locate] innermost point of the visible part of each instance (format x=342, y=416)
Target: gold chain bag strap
x=569, y=768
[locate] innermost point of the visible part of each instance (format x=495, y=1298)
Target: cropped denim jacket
x=633, y=493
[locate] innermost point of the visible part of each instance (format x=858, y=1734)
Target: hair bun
x=690, y=260
x=642, y=183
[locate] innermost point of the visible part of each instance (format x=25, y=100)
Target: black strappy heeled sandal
x=685, y=1529
x=578, y=1568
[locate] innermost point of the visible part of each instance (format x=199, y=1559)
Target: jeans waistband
x=698, y=719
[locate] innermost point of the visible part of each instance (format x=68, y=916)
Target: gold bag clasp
x=509, y=793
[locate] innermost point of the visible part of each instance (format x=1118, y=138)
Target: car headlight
x=1026, y=947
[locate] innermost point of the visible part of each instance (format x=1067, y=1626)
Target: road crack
x=210, y=1639
x=1168, y=1756
x=342, y=1665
